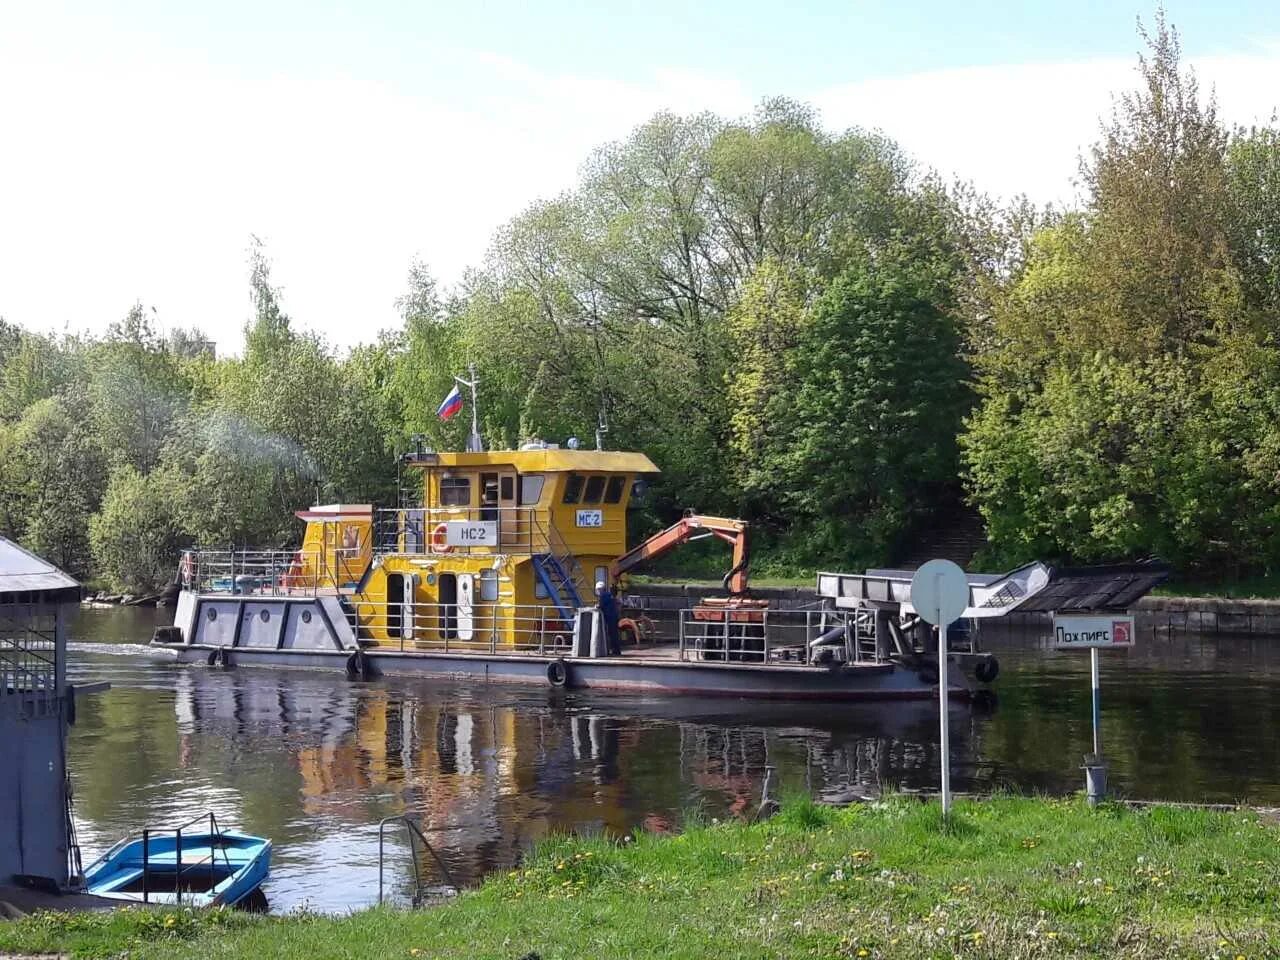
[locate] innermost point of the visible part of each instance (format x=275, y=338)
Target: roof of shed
x=22, y=572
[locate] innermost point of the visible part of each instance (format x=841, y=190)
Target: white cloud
x=1021, y=128
x=121, y=182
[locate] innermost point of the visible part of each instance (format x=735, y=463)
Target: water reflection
x=315, y=761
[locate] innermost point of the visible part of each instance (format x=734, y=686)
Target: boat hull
x=210, y=870
x=633, y=673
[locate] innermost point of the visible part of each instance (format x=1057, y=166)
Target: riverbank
x=1007, y=877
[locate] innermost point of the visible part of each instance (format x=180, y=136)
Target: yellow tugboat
x=510, y=566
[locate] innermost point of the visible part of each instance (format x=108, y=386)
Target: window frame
x=573, y=484
x=593, y=492
x=615, y=488
x=450, y=486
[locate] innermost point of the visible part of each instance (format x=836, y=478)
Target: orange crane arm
x=733, y=532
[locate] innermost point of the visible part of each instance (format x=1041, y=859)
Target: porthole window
x=211, y=614
x=265, y=615
x=306, y=616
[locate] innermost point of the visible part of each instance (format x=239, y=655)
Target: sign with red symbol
x=1071, y=633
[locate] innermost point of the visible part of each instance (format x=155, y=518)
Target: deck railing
x=512, y=530
x=482, y=627
x=774, y=637
x=274, y=573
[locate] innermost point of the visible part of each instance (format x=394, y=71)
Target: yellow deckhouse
x=504, y=549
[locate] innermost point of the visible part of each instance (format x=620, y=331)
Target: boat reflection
x=488, y=770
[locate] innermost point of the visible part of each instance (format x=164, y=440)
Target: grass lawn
x=1007, y=877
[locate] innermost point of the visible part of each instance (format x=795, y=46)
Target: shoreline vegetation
x=1006, y=877
x=803, y=327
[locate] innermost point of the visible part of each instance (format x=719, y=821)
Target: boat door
x=511, y=528
x=466, y=607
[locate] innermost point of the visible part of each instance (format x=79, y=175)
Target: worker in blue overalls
x=609, y=613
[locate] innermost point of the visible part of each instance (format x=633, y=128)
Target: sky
x=144, y=142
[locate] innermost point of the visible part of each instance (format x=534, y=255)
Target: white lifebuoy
x=440, y=539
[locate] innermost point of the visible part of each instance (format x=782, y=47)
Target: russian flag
x=451, y=405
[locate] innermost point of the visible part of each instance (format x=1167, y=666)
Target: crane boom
x=733, y=532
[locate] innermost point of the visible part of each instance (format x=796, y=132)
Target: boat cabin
x=506, y=544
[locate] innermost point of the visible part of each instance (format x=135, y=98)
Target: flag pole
x=473, y=442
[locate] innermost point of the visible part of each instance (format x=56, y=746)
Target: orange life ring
x=440, y=539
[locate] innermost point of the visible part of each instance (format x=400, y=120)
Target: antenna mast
x=474, y=443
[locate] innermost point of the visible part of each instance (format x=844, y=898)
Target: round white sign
x=940, y=592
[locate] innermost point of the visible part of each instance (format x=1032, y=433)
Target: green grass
x=1261, y=586
x=1006, y=877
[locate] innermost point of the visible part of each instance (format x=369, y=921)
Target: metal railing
x=29, y=657
x=275, y=573
x=411, y=830
x=481, y=627
x=518, y=530
x=215, y=845
x=774, y=637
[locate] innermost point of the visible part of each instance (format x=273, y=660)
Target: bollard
x=1095, y=778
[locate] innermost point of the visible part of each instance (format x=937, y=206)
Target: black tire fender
x=358, y=666
x=987, y=669
x=558, y=673
x=928, y=672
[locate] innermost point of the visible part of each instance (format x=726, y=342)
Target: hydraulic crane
x=693, y=526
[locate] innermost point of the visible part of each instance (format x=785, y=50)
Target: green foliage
x=137, y=532
x=52, y=472
x=1128, y=381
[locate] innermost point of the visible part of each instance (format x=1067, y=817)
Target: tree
x=1126, y=389
x=138, y=534
x=136, y=389
x=872, y=420
x=52, y=474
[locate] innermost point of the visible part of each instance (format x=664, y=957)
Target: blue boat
x=200, y=867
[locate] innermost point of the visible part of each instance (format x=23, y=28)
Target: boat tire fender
x=558, y=673
x=928, y=672
x=358, y=666
x=987, y=669
x=218, y=657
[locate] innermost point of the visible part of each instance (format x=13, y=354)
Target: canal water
x=314, y=761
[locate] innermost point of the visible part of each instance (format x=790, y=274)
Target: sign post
x=1094, y=633
x=940, y=594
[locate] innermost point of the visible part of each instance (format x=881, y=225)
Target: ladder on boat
x=559, y=572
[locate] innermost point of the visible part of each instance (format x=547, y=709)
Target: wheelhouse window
x=613, y=492
x=531, y=488
x=573, y=488
x=508, y=488
x=595, y=490
x=455, y=491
